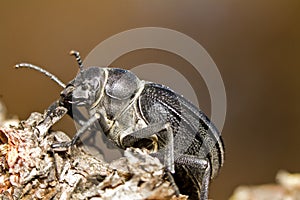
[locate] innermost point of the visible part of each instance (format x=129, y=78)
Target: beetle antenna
x=51, y=76
x=78, y=58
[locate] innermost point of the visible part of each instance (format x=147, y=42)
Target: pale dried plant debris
x=31, y=169
x=286, y=188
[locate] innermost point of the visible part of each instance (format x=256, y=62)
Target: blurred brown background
x=255, y=44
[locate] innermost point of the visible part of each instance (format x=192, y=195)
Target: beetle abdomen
x=194, y=134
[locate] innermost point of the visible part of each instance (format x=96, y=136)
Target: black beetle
x=141, y=114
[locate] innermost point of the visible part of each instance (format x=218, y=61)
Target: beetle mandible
x=137, y=113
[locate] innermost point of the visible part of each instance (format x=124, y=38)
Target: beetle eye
x=95, y=84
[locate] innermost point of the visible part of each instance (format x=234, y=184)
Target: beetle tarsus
x=170, y=178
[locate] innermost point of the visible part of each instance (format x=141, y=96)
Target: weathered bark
x=31, y=169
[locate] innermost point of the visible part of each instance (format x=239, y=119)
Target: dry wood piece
x=288, y=188
x=31, y=169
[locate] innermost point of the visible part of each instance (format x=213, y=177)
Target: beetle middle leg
x=161, y=128
x=84, y=128
x=167, y=153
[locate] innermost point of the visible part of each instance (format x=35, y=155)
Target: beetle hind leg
x=199, y=170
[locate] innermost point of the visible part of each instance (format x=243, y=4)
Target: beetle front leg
x=53, y=114
x=196, y=164
x=84, y=128
x=156, y=128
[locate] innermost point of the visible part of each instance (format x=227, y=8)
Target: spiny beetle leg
x=163, y=128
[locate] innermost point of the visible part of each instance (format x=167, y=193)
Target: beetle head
x=84, y=90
